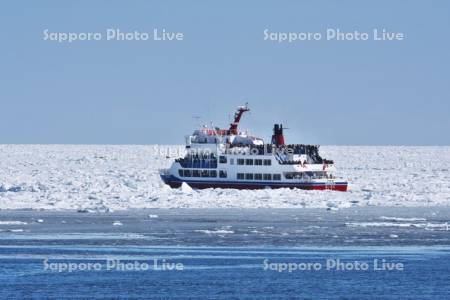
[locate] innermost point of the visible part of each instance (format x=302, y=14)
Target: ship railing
x=310, y=150
x=312, y=161
x=308, y=175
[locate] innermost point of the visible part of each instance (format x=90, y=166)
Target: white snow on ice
x=443, y=226
x=13, y=223
x=217, y=231
x=397, y=219
x=106, y=177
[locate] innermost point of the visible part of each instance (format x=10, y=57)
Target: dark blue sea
x=370, y=253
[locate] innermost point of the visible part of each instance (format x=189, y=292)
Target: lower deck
x=176, y=182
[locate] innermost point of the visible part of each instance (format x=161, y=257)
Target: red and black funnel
x=278, y=137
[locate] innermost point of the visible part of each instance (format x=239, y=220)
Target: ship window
x=249, y=176
x=223, y=174
x=187, y=173
x=319, y=174
x=196, y=162
x=293, y=175
x=308, y=175
x=249, y=162
x=258, y=176
x=205, y=173
x=267, y=176
x=267, y=162
x=240, y=161
x=240, y=175
x=258, y=162
x=222, y=159
x=231, y=161
x=276, y=176
x=195, y=173
x=180, y=172
x=213, y=173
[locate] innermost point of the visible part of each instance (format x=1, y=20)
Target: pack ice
x=108, y=177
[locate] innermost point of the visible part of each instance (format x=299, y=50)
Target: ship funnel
x=278, y=137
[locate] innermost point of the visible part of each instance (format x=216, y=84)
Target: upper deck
x=286, y=154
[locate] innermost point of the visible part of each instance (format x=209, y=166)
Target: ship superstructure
x=229, y=158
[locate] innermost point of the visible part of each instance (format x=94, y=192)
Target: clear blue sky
x=327, y=92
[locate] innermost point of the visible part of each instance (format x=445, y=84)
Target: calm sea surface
x=370, y=253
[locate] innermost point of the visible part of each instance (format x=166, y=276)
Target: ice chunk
x=186, y=188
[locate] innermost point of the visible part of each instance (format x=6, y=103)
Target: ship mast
x=237, y=118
